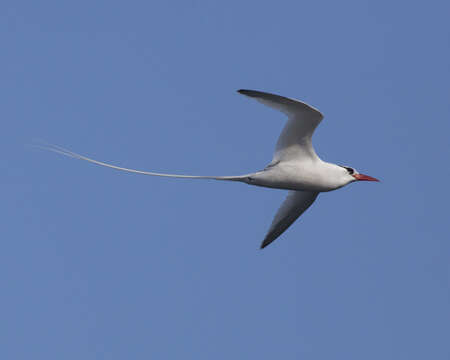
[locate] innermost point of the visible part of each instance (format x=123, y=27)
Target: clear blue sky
x=98, y=264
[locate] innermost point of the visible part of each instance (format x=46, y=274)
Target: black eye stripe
x=349, y=169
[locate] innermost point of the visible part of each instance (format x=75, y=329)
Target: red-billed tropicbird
x=295, y=165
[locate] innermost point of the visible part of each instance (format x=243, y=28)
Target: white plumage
x=295, y=165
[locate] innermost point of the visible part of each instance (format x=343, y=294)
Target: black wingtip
x=246, y=92
x=264, y=244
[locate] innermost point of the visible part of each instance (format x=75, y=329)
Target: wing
x=294, y=142
x=295, y=204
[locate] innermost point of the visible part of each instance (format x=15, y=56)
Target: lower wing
x=295, y=204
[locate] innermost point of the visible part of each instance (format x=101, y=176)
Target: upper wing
x=295, y=204
x=294, y=142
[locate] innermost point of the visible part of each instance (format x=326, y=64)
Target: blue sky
x=98, y=264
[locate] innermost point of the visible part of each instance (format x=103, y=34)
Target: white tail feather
x=60, y=150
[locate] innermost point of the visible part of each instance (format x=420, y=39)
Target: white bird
x=295, y=165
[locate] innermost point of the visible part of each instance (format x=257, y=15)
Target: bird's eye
x=350, y=170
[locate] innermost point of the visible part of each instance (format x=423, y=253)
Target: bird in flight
x=295, y=165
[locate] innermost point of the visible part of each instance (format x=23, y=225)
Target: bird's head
x=352, y=175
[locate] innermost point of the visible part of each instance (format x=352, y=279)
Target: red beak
x=362, y=177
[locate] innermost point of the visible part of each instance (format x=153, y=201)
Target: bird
x=295, y=166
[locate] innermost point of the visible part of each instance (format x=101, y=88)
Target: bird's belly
x=287, y=184
x=291, y=180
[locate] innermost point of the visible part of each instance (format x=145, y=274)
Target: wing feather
x=294, y=142
x=295, y=204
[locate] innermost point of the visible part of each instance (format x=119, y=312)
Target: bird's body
x=295, y=165
x=313, y=175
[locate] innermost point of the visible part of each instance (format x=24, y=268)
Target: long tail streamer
x=60, y=150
